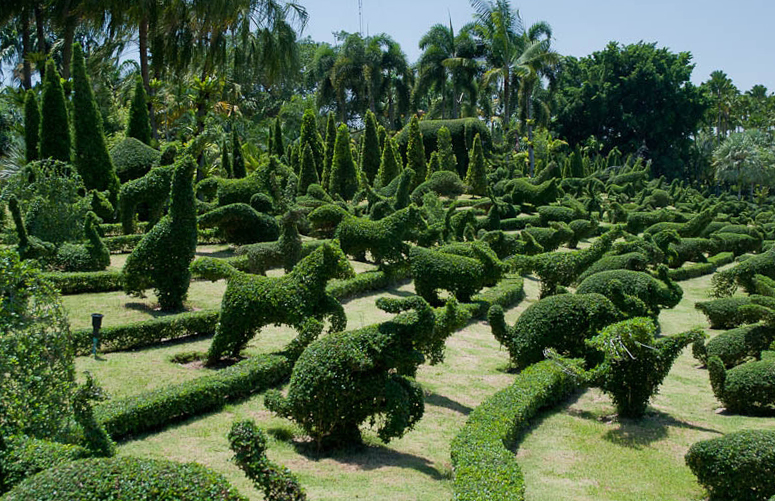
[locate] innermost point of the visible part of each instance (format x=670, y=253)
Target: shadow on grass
x=150, y=309
x=217, y=254
x=447, y=403
x=368, y=457
x=653, y=427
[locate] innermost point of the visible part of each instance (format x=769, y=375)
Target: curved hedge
x=483, y=462
x=736, y=466
x=734, y=346
x=127, y=479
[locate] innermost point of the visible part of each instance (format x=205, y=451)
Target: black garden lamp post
x=96, y=323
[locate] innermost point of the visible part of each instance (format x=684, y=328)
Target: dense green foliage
x=724, y=313
x=748, y=388
x=162, y=257
x=138, y=125
x=133, y=159
x=415, y=152
x=476, y=177
x=344, y=176
x=241, y=224
x=383, y=239
x=248, y=442
x=152, y=190
x=125, y=478
x=370, y=154
x=736, y=466
x=27, y=456
x=484, y=464
x=735, y=346
x=91, y=256
x=31, y=126
x=54, y=123
x=237, y=160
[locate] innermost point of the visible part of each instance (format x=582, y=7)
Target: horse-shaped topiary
x=251, y=302
x=383, y=239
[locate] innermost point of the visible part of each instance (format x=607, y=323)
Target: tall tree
x=344, y=177
x=92, y=159
x=139, y=125
x=237, y=160
x=370, y=156
x=329, y=146
x=476, y=177
x=722, y=94
x=54, y=124
x=415, y=152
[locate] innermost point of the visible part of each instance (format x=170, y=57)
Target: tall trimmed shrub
x=308, y=173
x=447, y=159
x=54, y=124
x=162, y=257
x=92, y=159
x=370, y=150
x=388, y=167
x=325, y=172
x=139, y=124
x=278, y=146
x=344, y=178
x=31, y=126
x=415, y=152
x=309, y=135
x=237, y=162
x=476, y=178
x=225, y=162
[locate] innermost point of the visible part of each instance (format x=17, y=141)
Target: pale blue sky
x=736, y=37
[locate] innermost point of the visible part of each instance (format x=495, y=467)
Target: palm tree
x=723, y=94
x=740, y=159
x=447, y=66
x=388, y=75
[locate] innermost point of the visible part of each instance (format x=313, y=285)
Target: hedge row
x=366, y=282
x=116, y=230
x=701, y=269
x=154, y=409
x=86, y=281
x=484, y=464
x=123, y=244
x=725, y=313
x=139, y=334
x=509, y=291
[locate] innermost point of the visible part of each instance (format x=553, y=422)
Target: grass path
x=579, y=453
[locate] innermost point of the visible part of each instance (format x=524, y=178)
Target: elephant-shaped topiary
x=462, y=269
x=251, y=302
x=383, y=239
x=746, y=389
x=635, y=293
x=560, y=322
x=344, y=379
x=241, y=224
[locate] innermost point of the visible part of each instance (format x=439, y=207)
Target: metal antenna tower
x=360, y=17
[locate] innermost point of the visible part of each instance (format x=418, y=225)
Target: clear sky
x=734, y=36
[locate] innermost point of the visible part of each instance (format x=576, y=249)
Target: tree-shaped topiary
x=278, y=146
x=92, y=159
x=415, y=152
x=370, y=155
x=31, y=126
x=139, y=125
x=54, y=124
x=447, y=158
x=309, y=135
x=237, y=161
x=388, y=167
x=162, y=257
x=308, y=173
x=225, y=161
x=476, y=177
x=344, y=177
x=433, y=165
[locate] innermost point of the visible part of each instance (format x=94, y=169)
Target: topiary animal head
x=336, y=262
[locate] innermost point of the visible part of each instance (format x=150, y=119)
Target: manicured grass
x=579, y=453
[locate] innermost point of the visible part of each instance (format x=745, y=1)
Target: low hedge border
x=484, y=465
x=509, y=292
x=139, y=334
x=155, y=409
x=87, y=281
x=701, y=269
x=367, y=281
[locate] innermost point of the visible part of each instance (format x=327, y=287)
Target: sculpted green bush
x=635, y=293
x=735, y=346
x=384, y=240
x=561, y=322
x=344, y=379
x=550, y=238
x=631, y=261
x=735, y=466
x=91, y=256
x=746, y=389
x=251, y=302
x=151, y=190
x=133, y=159
x=462, y=269
x=725, y=313
x=241, y=224
x=162, y=257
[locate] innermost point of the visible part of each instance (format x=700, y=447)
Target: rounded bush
x=634, y=292
x=736, y=466
x=726, y=312
x=133, y=159
x=746, y=389
x=127, y=479
x=734, y=346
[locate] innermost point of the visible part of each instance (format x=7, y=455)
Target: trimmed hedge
x=726, y=282
x=736, y=466
x=148, y=332
x=734, y=346
x=127, y=479
x=27, y=456
x=701, y=269
x=484, y=464
x=367, y=281
x=155, y=409
x=133, y=159
x=630, y=261
x=725, y=313
x=88, y=281
x=746, y=389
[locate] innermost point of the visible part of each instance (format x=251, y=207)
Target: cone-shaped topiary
x=139, y=124
x=447, y=159
x=92, y=159
x=415, y=152
x=476, y=178
x=309, y=135
x=344, y=177
x=237, y=162
x=54, y=125
x=278, y=147
x=31, y=126
x=433, y=165
x=329, y=146
x=382, y=135
x=388, y=168
x=225, y=162
x=162, y=257
x=370, y=149
x=308, y=174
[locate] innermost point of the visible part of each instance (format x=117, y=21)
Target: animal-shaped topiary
x=690, y=229
x=461, y=269
x=91, y=256
x=561, y=322
x=383, y=239
x=241, y=224
x=635, y=293
x=252, y=302
x=344, y=379
x=525, y=192
x=151, y=190
x=29, y=247
x=162, y=257
x=550, y=238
